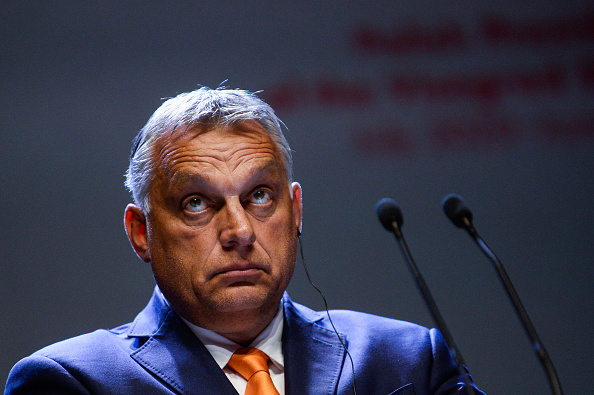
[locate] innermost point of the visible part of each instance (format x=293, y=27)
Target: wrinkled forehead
x=206, y=138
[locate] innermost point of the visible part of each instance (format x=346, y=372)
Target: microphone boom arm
x=433, y=309
x=458, y=212
x=537, y=344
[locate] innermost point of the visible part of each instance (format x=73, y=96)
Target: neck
x=240, y=327
x=244, y=328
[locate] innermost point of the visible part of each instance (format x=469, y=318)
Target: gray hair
x=204, y=106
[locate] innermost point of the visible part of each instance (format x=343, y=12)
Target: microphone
x=459, y=213
x=388, y=212
x=391, y=218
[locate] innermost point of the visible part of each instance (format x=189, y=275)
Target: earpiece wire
x=327, y=312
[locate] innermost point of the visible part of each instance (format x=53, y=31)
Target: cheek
x=178, y=254
x=180, y=269
x=281, y=242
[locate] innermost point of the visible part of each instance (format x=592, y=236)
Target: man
x=217, y=216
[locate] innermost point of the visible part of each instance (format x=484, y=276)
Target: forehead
x=245, y=143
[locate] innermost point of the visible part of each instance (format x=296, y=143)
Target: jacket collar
x=313, y=354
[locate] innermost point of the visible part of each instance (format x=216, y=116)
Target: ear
x=135, y=223
x=297, y=205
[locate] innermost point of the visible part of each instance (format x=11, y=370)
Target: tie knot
x=248, y=361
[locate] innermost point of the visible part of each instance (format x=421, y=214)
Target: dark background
x=410, y=99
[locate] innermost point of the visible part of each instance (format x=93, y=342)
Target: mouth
x=241, y=271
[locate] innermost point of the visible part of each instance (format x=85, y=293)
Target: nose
x=236, y=226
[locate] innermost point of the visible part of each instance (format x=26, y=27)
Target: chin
x=249, y=297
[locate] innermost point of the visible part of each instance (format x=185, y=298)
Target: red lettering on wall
x=524, y=88
x=497, y=29
x=374, y=40
x=479, y=87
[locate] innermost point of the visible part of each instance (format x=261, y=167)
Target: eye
x=194, y=204
x=261, y=196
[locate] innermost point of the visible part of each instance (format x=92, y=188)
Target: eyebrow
x=268, y=168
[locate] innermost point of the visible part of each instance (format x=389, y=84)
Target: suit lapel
x=174, y=354
x=313, y=354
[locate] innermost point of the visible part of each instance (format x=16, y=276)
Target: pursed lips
x=243, y=269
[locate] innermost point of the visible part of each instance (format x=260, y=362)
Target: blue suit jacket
x=158, y=354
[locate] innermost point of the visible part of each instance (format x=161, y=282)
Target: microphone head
x=388, y=212
x=456, y=209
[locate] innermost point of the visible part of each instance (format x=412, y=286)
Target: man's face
x=222, y=228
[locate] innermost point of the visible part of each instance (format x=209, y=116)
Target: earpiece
x=298, y=232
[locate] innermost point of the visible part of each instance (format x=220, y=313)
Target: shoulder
x=389, y=337
x=88, y=346
x=398, y=348
x=356, y=322
x=62, y=367
x=420, y=353
x=368, y=330
x=90, y=359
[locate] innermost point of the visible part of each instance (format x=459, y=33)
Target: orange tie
x=252, y=365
